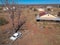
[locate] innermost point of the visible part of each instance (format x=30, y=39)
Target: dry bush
x=3, y=21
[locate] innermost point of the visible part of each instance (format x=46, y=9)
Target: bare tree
x=11, y=11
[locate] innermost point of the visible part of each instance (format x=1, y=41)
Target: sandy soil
x=35, y=33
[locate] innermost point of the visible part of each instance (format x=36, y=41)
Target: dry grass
x=35, y=33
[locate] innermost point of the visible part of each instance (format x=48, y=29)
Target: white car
x=15, y=36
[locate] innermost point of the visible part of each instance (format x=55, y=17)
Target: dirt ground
x=35, y=33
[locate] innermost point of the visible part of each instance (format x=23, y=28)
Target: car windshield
x=14, y=36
